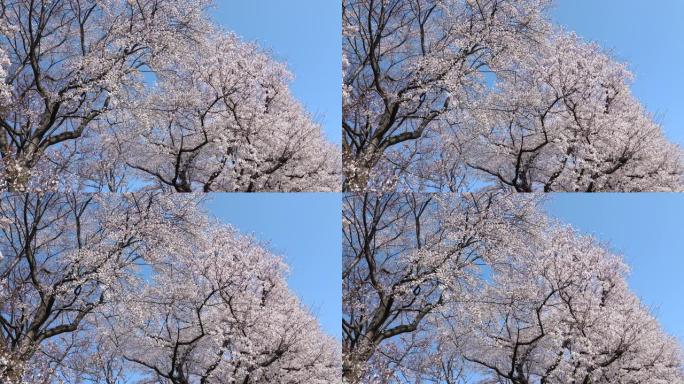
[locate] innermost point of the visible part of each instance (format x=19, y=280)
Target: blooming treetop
x=100, y=288
x=447, y=95
x=219, y=312
x=405, y=257
x=565, y=120
x=112, y=94
x=561, y=312
x=466, y=288
x=222, y=119
x=67, y=255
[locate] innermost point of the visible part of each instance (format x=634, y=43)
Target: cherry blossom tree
x=405, y=258
x=70, y=61
x=486, y=288
x=222, y=311
x=110, y=288
x=561, y=312
x=461, y=94
x=565, y=120
x=221, y=118
x=409, y=63
x=111, y=95
x=67, y=255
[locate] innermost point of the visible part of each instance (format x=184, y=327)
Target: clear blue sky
x=649, y=35
x=304, y=228
x=306, y=34
x=648, y=230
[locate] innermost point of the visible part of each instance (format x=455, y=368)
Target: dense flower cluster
x=221, y=118
x=112, y=95
x=485, y=288
x=457, y=94
x=146, y=287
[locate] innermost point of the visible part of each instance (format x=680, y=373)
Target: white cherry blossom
x=458, y=95
x=485, y=288
x=117, y=95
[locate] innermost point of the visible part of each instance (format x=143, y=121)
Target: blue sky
x=306, y=34
x=649, y=35
x=304, y=228
x=648, y=230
